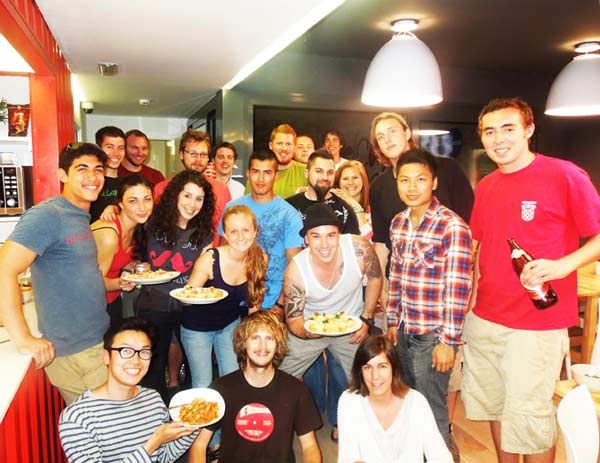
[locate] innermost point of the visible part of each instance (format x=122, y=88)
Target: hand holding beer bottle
x=542, y=295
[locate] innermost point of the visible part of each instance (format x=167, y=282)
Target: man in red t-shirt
x=137, y=146
x=513, y=351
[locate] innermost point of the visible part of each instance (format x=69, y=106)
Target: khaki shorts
x=455, y=377
x=509, y=377
x=76, y=373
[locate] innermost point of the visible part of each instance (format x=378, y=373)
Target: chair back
x=579, y=425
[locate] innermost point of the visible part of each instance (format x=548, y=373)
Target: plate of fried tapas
x=197, y=407
x=338, y=324
x=191, y=295
x=151, y=277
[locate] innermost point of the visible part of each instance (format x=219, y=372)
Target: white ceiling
x=178, y=54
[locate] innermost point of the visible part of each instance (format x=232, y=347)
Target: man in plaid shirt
x=430, y=282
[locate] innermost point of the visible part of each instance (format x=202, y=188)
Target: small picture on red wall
x=18, y=120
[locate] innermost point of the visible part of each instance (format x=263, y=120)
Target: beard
x=321, y=192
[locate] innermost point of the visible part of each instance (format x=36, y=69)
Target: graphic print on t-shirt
x=254, y=422
x=528, y=210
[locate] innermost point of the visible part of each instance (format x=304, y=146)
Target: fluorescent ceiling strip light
x=299, y=28
x=431, y=132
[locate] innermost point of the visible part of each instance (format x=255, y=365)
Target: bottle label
x=517, y=253
x=536, y=292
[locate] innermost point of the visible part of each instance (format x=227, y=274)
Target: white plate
x=151, y=281
x=186, y=397
x=174, y=293
x=357, y=324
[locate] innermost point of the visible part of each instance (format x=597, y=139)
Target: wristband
x=367, y=321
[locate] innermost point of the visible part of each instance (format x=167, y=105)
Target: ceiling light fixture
x=304, y=23
x=431, y=132
x=576, y=89
x=108, y=69
x=404, y=73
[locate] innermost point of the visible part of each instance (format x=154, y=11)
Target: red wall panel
x=29, y=430
x=52, y=119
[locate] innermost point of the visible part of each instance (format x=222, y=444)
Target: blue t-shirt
x=69, y=290
x=280, y=226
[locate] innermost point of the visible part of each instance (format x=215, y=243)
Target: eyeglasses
x=128, y=352
x=196, y=155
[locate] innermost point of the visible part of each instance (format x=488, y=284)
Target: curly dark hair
x=164, y=223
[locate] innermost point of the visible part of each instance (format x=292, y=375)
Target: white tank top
x=346, y=294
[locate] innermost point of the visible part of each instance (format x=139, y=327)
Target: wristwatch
x=368, y=321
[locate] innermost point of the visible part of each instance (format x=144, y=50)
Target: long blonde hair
x=255, y=260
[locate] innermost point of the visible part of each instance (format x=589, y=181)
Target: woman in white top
x=382, y=420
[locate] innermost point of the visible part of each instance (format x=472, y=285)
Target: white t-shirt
x=413, y=433
x=236, y=189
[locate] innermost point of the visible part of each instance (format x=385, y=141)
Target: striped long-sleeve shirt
x=430, y=273
x=101, y=430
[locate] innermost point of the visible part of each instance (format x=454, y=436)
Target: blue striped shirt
x=102, y=430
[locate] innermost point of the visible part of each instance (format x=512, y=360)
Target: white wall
x=166, y=129
x=15, y=90
x=156, y=128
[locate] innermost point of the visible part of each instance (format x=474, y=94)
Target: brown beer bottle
x=542, y=296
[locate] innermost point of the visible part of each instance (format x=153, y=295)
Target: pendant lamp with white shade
x=404, y=73
x=576, y=90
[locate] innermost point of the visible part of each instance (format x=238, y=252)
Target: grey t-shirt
x=68, y=287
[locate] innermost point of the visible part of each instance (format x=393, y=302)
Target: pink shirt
x=546, y=206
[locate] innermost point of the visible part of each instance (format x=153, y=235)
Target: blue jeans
x=198, y=347
x=326, y=395
x=415, y=353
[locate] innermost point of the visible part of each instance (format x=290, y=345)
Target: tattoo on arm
x=367, y=257
x=294, y=297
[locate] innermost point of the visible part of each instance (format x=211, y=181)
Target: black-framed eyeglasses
x=128, y=352
x=195, y=154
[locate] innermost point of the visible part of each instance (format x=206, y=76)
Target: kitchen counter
x=7, y=225
x=13, y=365
x=29, y=405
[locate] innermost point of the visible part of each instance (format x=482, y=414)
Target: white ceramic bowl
x=589, y=375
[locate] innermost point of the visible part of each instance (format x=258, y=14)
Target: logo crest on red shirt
x=255, y=422
x=528, y=210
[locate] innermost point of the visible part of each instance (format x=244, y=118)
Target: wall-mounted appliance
x=16, y=189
